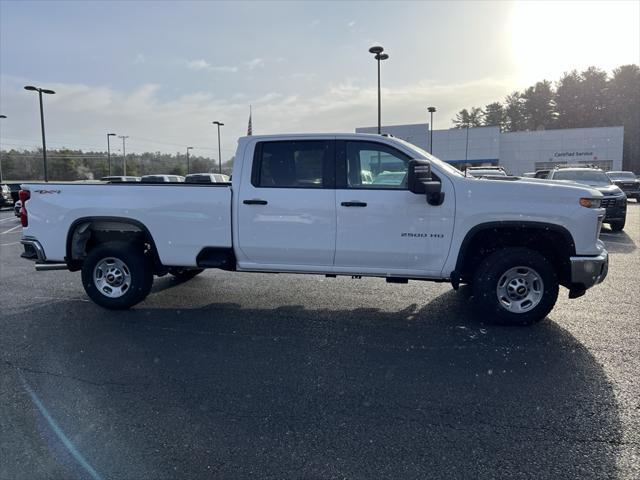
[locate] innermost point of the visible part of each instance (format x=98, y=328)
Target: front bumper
x=589, y=271
x=616, y=213
x=631, y=193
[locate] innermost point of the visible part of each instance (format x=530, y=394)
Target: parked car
x=162, y=179
x=120, y=179
x=614, y=201
x=397, y=179
x=5, y=196
x=627, y=182
x=16, y=208
x=200, y=178
x=487, y=170
x=15, y=188
x=274, y=218
x=206, y=178
x=544, y=173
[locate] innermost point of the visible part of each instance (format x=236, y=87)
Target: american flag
x=249, y=127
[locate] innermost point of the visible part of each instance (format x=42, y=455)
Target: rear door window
x=293, y=164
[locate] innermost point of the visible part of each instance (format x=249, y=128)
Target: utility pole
x=219, y=124
x=124, y=154
x=109, y=150
x=188, y=168
x=431, y=110
x=1, y=116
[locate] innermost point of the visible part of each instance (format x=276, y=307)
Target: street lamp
x=219, y=124
x=1, y=116
x=377, y=51
x=188, y=148
x=431, y=110
x=44, y=144
x=124, y=155
x=109, y=150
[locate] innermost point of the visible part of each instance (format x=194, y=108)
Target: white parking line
x=7, y=244
x=8, y=218
x=10, y=230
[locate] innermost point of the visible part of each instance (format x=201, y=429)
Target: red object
x=24, y=195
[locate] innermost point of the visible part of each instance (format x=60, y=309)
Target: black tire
x=136, y=264
x=184, y=274
x=618, y=226
x=490, y=272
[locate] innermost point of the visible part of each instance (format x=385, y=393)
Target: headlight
x=591, y=202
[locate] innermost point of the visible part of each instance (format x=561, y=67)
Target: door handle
x=255, y=202
x=354, y=204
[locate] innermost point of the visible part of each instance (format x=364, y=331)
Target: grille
x=629, y=186
x=608, y=202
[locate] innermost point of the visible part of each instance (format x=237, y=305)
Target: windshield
x=588, y=177
x=440, y=163
x=621, y=176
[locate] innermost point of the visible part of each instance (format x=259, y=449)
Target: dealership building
x=516, y=152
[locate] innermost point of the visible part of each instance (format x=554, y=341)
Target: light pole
x=124, y=155
x=44, y=144
x=466, y=147
x=1, y=116
x=188, y=148
x=109, y=150
x=219, y=124
x=431, y=110
x=377, y=51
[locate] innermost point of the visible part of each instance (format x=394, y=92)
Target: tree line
x=590, y=98
x=68, y=165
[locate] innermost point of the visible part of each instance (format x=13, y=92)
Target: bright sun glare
x=549, y=38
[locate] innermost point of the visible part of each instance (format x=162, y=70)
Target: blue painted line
x=59, y=433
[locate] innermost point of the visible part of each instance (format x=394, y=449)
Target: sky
x=162, y=71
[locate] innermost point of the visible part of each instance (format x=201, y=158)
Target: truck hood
x=609, y=190
x=531, y=188
x=606, y=190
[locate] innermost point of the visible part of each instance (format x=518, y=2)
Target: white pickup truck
x=332, y=204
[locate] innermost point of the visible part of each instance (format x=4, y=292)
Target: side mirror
x=419, y=173
x=420, y=181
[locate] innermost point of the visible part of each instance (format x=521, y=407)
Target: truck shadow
x=424, y=392
x=618, y=242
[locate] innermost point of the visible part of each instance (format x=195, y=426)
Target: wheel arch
x=86, y=232
x=551, y=240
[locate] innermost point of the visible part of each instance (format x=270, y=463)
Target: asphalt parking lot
x=282, y=376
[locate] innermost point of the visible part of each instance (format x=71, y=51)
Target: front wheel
x=515, y=286
x=117, y=275
x=617, y=226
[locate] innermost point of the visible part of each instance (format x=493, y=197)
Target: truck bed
x=182, y=218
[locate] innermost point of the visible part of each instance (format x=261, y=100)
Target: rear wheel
x=117, y=275
x=515, y=286
x=184, y=274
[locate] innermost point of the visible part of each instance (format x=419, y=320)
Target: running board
x=43, y=267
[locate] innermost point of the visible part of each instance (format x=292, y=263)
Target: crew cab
x=314, y=204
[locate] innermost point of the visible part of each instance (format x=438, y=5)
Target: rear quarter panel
x=181, y=218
